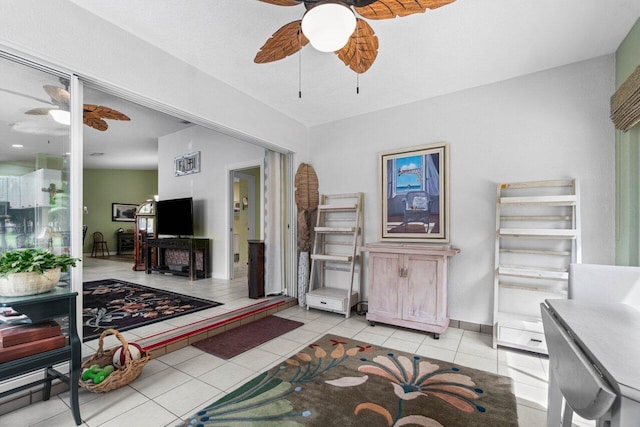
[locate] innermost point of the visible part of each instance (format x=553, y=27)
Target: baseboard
x=470, y=326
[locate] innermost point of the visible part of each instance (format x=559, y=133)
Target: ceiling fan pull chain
x=357, y=74
x=300, y=65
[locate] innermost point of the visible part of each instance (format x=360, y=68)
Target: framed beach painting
x=414, y=193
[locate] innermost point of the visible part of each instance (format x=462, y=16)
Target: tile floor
x=175, y=385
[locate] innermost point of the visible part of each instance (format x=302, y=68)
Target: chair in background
x=99, y=244
x=417, y=207
x=605, y=283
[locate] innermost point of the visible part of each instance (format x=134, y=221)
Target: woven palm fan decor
x=307, y=198
x=625, y=103
x=361, y=49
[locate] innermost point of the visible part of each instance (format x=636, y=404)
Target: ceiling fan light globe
x=61, y=116
x=328, y=26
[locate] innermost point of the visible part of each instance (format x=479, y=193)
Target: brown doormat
x=238, y=340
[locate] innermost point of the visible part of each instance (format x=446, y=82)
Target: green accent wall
x=628, y=162
x=102, y=187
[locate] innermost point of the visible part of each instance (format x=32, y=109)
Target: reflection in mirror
x=34, y=170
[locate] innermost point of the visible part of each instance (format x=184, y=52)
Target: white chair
x=605, y=283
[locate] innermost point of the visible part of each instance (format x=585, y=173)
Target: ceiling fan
x=92, y=115
x=360, y=48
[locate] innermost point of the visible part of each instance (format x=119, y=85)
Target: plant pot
x=31, y=283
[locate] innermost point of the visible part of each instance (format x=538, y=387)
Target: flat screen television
x=175, y=217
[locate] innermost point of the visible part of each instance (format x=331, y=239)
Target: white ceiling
x=124, y=145
x=465, y=44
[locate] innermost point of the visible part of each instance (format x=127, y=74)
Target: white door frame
x=231, y=170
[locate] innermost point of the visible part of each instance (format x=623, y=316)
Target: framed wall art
x=187, y=164
x=414, y=193
x=123, y=212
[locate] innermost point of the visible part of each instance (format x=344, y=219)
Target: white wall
x=549, y=125
x=209, y=188
x=552, y=124
x=73, y=40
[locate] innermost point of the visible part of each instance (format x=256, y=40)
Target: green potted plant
x=31, y=271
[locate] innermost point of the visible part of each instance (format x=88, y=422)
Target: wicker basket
x=120, y=377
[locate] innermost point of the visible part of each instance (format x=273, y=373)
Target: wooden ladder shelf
x=537, y=237
x=338, y=237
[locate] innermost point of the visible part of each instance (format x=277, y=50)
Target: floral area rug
x=343, y=382
x=116, y=304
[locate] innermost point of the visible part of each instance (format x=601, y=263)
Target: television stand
x=180, y=256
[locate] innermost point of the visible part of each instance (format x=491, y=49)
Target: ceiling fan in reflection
x=92, y=115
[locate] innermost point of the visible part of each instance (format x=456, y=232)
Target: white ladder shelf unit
x=338, y=237
x=537, y=237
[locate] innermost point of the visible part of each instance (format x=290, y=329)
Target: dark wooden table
x=189, y=246
x=60, y=302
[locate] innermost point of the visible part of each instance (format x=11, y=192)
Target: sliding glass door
x=35, y=154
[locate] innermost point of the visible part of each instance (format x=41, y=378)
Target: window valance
x=625, y=103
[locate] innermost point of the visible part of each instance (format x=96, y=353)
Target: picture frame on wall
x=414, y=193
x=123, y=212
x=186, y=164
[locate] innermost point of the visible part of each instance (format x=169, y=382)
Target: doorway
x=246, y=224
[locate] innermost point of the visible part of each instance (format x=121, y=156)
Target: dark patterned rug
x=116, y=304
x=238, y=340
x=337, y=381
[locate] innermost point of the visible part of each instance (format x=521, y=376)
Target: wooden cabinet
x=407, y=285
x=13, y=190
x=125, y=243
x=145, y=228
x=256, y=269
x=4, y=188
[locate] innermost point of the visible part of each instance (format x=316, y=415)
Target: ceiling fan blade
x=58, y=95
x=39, y=111
x=361, y=50
x=388, y=9
x=282, y=2
x=104, y=112
x=91, y=120
x=284, y=42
